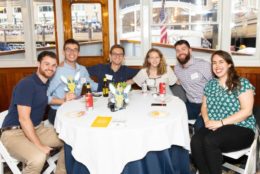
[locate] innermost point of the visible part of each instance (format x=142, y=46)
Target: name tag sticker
x=194, y=76
x=83, y=80
x=109, y=77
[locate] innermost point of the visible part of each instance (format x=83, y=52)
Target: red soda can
x=162, y=88
x=89, y=101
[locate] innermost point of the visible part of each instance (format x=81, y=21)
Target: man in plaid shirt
x=192, y=74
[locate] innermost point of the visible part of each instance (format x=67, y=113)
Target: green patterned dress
x=222, y=103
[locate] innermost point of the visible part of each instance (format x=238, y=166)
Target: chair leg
x=1, y=167
x=52, y=165
x=234, y=168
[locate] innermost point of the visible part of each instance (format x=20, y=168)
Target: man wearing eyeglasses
x=58, y=91
x=115, y=71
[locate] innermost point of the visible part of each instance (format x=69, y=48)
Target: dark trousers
x=52, y=115
x=194, y=110
x=207, y=146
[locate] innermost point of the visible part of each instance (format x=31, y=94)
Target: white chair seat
x=191, y=122
x=251, y=159
x=237, y=154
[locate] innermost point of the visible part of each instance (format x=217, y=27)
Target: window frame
x=224, y=38
x=28, y=56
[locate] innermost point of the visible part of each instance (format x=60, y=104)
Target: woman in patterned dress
x=227, y=113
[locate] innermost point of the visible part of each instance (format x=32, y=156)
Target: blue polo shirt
x=124, y=73
x=32, y=92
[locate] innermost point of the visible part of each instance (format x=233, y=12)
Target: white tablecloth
x=108, y=150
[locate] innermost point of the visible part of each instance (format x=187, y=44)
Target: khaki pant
x=24, y=150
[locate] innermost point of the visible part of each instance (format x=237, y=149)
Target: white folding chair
x=51, y=162
x=191, y=122
x=4, y=155
x=251, y=159
x=12, y=162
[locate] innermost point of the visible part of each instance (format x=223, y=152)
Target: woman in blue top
x=227, y=113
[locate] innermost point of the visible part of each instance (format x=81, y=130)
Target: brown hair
x=117, y=46
x=233, y=82
x=46, y=53
x=71, y=41
x=161, y=69
x=180, y=42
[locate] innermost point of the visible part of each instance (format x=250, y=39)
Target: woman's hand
x=213, y=124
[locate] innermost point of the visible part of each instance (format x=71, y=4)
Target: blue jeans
x=193, y=110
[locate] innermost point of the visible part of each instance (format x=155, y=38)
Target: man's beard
x=184, y=61
x=44, y=74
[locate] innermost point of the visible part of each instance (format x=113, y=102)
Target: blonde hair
x=162, y=67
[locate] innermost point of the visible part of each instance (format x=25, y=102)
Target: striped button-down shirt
x=193, y=78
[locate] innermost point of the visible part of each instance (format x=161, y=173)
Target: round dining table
x=147, y=124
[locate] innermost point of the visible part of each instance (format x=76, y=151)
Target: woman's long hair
x=161, y=69
x=233, y=82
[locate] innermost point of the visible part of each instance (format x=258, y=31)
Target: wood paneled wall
x=10, y=76
x=8, y=79
x=253, y=75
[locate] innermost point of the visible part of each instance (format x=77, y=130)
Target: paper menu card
x=101, y=121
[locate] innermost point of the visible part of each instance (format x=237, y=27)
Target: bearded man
x=23, y=132
x=192, y=74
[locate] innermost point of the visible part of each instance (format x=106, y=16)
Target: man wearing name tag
x=23, y=133
x=57, y=95
x=192, y=74
x=115, y=71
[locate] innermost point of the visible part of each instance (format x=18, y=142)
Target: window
x=194, y=22
x=2, y=10
x=11, y=27
x=130, y=27
x=17, y=35
x=243, y=26
x=44, y=24
x=17, y=10
x=48, y=8
x=197, y=21
x=87, y=28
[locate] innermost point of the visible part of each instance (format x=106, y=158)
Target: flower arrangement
x=71, y=83
x=120, y=92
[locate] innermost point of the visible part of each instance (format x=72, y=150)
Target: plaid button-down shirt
x=193, y=78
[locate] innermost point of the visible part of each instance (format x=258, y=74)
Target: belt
x=16, y=127
x=10, y=128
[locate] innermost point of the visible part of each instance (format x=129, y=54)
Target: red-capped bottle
x=89, y=98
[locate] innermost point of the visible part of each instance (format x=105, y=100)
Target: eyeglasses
x=69, y=50
x=117, y=54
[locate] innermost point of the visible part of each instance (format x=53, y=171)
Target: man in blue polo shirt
x=115, y=71
x=23, y=134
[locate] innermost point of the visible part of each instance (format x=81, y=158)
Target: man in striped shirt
x=192, y=74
